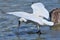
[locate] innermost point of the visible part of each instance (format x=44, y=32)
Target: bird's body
x=32, y=17
x=38, y=15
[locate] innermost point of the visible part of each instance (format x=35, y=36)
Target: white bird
x=38, y=15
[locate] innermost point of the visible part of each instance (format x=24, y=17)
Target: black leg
x=19, y=23
x=17, y=32
x=18, y=28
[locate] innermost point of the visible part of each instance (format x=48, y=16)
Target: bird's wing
x=31, y=17
x=44, y=13
x=40, y=10
x=19, y=14
x=25, y=15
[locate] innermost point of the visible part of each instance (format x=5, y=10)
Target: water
x=9, y=23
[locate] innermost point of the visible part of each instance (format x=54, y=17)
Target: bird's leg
x=17, y=32
x=19, y=23
x=38, y=27
x=18, y=26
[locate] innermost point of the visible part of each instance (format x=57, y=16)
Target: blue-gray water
x=9, y=23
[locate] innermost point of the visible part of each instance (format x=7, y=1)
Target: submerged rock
x=55, y=17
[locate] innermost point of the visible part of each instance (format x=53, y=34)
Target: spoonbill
x=38, y=15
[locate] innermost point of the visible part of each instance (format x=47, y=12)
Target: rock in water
x=55, y=17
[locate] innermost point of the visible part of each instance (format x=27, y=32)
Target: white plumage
x=40, y=10
x=38, y=15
